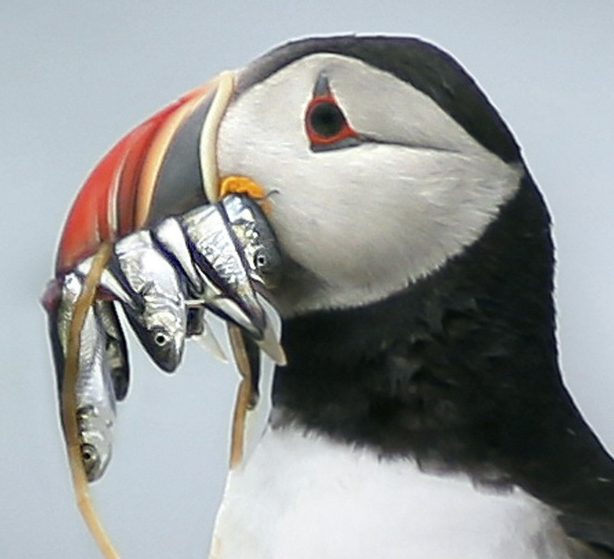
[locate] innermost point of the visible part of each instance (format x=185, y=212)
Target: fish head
x=258, y=242
x=95, y=435
x=162, y=332
x=265, y=259
x=260, y=247
x=266, y=256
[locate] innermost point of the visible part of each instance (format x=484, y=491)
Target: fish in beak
x=163, y=178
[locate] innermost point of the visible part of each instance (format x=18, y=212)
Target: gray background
x=75, y=76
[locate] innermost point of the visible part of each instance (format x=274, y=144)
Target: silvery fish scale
x=216, y=253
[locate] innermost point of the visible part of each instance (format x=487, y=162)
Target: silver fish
x=170, y=236
x=206, y=255
x=255, y=236
x=210, y=256
x=260, y=251
x=152, y=297
x=95, y=395
x=223, y=270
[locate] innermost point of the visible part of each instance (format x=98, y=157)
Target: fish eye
x=265, y=265
x=161, y=338
x=89, y=455
x=260, y=260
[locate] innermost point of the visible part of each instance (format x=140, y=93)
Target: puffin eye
x=326, y=124
x=326, y=120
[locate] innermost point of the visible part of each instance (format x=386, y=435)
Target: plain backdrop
x=76, y=75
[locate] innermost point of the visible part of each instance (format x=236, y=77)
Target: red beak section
x=153, y=172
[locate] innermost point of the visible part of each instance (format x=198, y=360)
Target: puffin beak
x=164, y=167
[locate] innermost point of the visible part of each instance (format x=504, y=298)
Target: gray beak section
x=179, y=185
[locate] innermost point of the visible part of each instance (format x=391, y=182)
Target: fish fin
x=271, y=346
x=210, y=343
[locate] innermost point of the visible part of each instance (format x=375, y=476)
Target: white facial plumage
x=365, y=220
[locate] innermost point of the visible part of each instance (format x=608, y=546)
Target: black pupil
x=327, y=120
x=261, y=260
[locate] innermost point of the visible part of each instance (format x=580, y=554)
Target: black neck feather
x=459, y=371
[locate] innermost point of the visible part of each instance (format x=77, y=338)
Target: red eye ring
x=325, y=122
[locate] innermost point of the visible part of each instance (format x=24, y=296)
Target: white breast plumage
x=303, y=496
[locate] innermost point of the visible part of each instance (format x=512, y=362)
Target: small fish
x=152, y=297
x=203, y=249
x=216, y=254
x=95, y=395
x=255, y=236
x=259, y=248
x=211, y=257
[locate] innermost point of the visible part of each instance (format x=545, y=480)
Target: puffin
x=421, y=411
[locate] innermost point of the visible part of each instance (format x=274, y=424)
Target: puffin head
x=380, y=158
x=416, y=290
